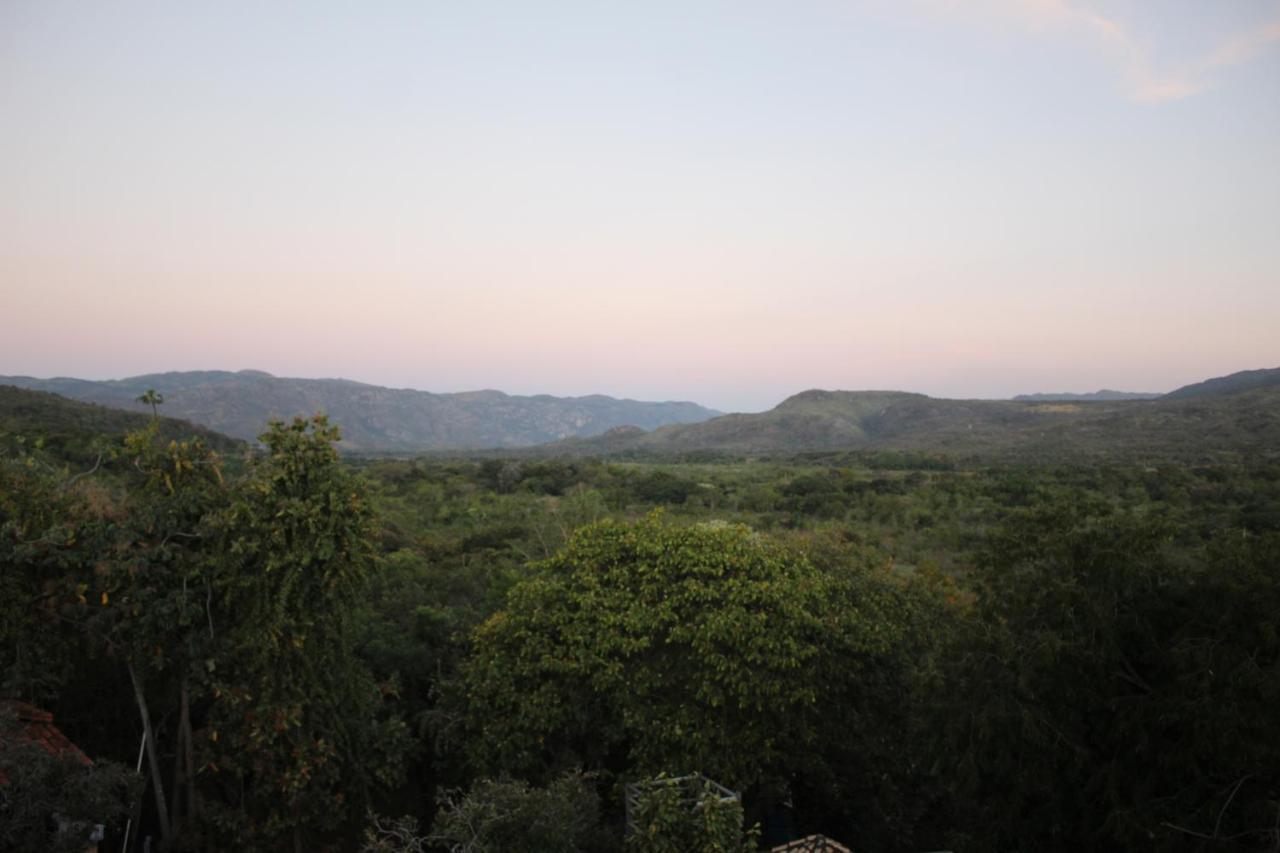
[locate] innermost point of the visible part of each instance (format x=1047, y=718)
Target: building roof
x=36, y=726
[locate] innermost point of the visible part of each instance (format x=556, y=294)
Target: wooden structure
x=811, y=844
x=692, y=787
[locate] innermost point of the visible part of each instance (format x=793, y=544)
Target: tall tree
x=154, y=398
x=151, y=601
x=296, y=738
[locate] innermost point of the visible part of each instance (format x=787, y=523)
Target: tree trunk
x=181, y=765
x=188, y=749
x=175, y=805
x=153, y=761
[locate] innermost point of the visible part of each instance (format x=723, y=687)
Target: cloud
x=1143, y=80
x=1244, y=47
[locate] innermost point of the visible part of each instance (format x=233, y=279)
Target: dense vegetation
x=901, y=651
x=78, y=433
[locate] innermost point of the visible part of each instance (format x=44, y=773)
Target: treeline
x=902, y=653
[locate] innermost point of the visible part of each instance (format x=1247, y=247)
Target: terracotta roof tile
x=37, y=727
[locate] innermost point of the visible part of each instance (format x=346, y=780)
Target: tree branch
x=67, y=485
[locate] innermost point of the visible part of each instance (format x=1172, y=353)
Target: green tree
x=297, y=736
x=151, y=600
x=499, y=815
x=646, y=646
x=42, y=552
x=124, y=578
x=153, y=398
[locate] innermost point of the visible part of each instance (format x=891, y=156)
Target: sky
x=725, y=202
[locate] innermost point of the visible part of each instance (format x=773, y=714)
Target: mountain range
x=1226, y=418
x=372, y=418
x=1230, y=417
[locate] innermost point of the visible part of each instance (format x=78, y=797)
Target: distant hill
x=1105, y=394
x=373, y=418
x=69, y=428
x=1242, y=381
x=1234, y=426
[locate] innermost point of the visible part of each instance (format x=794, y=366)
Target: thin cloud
x=1143, y=80
x=1242, y=48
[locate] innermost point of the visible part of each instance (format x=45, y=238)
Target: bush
x=497, y=816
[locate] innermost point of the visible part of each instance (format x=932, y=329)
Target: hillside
x=1105, y=395
x=1244, y=380
x=71, y=430
x=1203, y=428
x=373, y=418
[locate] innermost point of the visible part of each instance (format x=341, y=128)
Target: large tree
x=650, y=647
x=153, y=398
x=226, y=606
x=295, y=738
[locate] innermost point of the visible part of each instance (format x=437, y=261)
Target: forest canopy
x=898, y=652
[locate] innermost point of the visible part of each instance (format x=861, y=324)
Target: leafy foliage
x=498, y=815
x=294, y=736
x=648, y=646
x=40, y=548
x=1115, y=695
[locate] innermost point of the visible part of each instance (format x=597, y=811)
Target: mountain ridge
x=1241, y=380
x=1236, y=423
x=1236, y=414
x=373, y=418
x=1105, y=394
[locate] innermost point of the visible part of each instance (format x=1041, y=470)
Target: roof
x=37, y=727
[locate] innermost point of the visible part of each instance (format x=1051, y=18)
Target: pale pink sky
x=724, y=202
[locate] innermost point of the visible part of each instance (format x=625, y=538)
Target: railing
x=692, y=788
